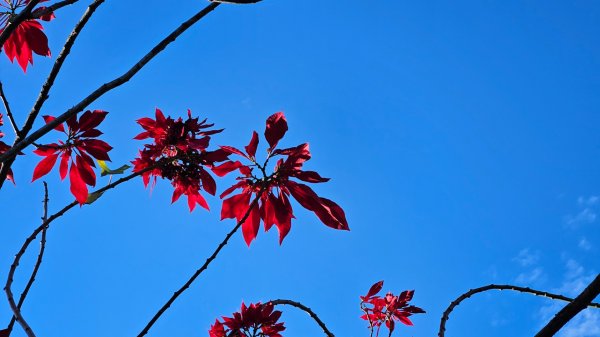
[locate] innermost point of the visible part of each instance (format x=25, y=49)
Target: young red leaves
x=3, y=148
x=178, y=153
x=388, y=309
x=27, y=38
x=256, y=320
x=77, y=152
x=274, y=206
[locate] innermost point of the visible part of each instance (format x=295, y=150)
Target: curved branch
x=16, y=21
x=572, y=309
x=8, y=157
x=203, y=268
x=42, y=228
x=38, y=262
x=472, y=292
x=307, y=310
x=43, y=95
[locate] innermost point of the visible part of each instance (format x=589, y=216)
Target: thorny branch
x=49, y=83
x=38, y=263
x=42, y=228
x=572, y=309
x=9, y=112
x=307, y=310
x=472, y=292
x=52, y=8
x=204, y=266
x=9, y=155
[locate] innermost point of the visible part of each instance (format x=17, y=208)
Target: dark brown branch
x=43, y=227
x=203, y=268
x=9, y=114
x=308, y=311
x=572, y=309
x=9, y=155
x=43, y=95
x=52, y=8
x=472, y=292
x=16, y=21
x=38, y=262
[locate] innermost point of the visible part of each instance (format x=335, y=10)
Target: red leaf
x=96, y=148
x=333, y=216
x=309, y=176
x=85, y=171
x=89, y=120
x=223, y=169
x=251, y=225
x=276, y=129
x=251, y=147
x=78, y=187
x=326, y=210
x=208, y=183
x=59, y=127
x=233, y=150
x=194, y=199
x=374, y=289
x=235, y=207
x=44, y=166
x=237, y=185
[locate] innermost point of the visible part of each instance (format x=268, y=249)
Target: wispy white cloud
x=527, y=258
x=531, y=277
x=584, y=244
x=589, y=201
x=588, y=211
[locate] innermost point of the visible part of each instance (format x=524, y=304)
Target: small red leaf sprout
x=178, y=153
x=256, y=320
x=78, y=150
x=3, y=148
x=388, y=309
x=274, y=206
x=27, y=38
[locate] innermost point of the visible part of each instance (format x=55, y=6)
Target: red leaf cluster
x=178, y=153
x=255, y=320
x=3, y=148
x=388, y=309
x=27, y=38
x=274, y=204
x=82, y=144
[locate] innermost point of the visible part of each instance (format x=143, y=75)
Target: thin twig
x=52, y=8
x=572, y=309
x=44, y=226
x=203, y=268
x=472, y=292
x=307, y=310
x=9, y=112
x=8, y=157
x=16, y=21
x=38, y=262
x=43, y=95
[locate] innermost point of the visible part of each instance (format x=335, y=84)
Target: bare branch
x=307, y=310
x=9, y=112
x=43, y=227
x=16, y=21
x=203, y=268
x=572, y=309
x=472, y=292
x=43, y=95
x=8, y=157
x=38, y=262
x=52, y=8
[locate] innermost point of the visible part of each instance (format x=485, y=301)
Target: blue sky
x=461, y=138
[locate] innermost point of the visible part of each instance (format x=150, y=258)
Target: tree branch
x=7, y=157
x=38, y=262
x=43, y=227
x=307, y=310
x=9, y=112
x=472, y=292
x=43, y=95
x=572, y=309
x=52, y=8
x=16, y=21
x=203, y=268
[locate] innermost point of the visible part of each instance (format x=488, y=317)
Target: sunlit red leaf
x=276, y=129
x=251, y=147
x=44, y=166
x=78, y=187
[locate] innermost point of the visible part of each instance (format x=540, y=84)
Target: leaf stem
x=307, y=310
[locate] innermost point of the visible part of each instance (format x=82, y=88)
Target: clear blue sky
x=461, y=138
